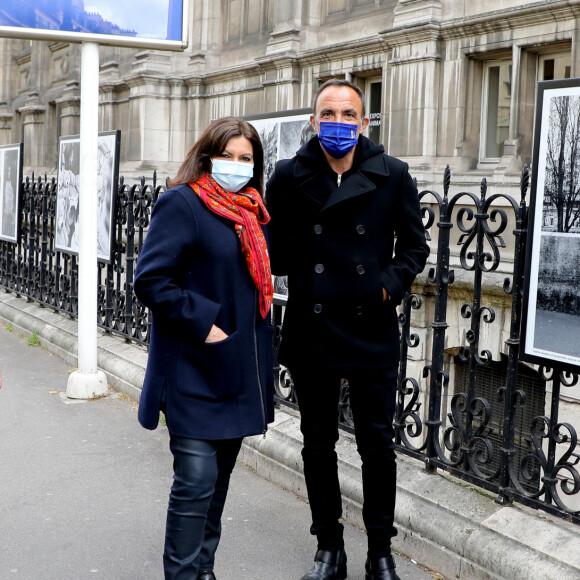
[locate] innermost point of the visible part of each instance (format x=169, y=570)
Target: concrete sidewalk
x=110, y=502
x=83, y=490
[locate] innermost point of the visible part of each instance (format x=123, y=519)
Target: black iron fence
x=494, y=423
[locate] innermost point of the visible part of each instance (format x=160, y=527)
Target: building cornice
x=426, y=32
x=370, y=45
x=539, y=13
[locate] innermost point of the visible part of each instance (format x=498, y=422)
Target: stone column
x=281, y=81
x=70, y=103
x=512, y=143
x=285, y=37
x=576, y=50
x=410, y=12
x=205, y=32
x=149, y=111
x=414, y=91
x=33, y=113
x=5, y=124
x=177, y=121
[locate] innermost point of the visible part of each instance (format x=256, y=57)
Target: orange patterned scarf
x=247, y=210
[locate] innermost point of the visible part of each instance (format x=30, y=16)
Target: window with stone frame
x=495, y=110
x=374, y=97
x=554, y=66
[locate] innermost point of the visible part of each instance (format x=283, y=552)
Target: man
x=336, y=209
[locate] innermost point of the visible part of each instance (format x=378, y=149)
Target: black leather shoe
x=381, y=568
x=328, y=565
x=206, y=575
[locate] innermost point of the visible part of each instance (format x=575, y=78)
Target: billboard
x=157, y=24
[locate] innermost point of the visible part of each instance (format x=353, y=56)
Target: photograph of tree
x=282, y=134
x=551, y=322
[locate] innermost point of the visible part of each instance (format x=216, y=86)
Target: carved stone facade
x=449, y=82
x=454, y=80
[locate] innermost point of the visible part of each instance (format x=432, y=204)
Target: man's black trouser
x=372, y=401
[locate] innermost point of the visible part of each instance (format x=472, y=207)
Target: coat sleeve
x=279, y=227
x=166, y=253
x=411, y=249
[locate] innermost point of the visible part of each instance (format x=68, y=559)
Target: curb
x=444, y=523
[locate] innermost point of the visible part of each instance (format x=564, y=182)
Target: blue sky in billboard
x=156, y=19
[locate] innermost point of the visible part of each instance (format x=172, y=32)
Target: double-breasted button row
x=319, y=268
x=360, y=229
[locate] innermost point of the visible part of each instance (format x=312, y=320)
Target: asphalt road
x=83, y=491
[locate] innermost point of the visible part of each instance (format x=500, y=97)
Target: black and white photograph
x=282, y=134
x=551, y=318
x=67, y=201
x=10, y=180
x=280, y=288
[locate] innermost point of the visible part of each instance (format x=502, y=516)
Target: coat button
x=317, y=308
x=317, y=229
x=360, y=229
x=358, y=310
x=319, y=268
x=360, y=269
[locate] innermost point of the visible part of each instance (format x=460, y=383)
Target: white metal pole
x=87, y=382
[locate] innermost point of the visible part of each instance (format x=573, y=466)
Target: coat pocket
x=211, y=370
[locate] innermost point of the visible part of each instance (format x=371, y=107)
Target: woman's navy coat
x=191, y=274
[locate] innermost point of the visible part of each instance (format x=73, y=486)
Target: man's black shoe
x=328, y=565
x=206, y=575
x=381, y=568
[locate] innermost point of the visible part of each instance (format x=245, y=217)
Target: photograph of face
x=68, y=194
x=67, y=198
x=10, y=157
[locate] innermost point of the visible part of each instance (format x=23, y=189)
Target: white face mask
x=231, y=175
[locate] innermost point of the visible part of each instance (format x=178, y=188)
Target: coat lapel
x=360, y=182
x=316, y=183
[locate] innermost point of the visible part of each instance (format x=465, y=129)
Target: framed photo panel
x=10, y=184
x=551, y=313
x=67, y=199
x=282, y=134
x=157, y=24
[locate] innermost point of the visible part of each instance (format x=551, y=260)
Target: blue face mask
x=231, y=175
x=338, y=138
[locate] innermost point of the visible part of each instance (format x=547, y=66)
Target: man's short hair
x=339, y=83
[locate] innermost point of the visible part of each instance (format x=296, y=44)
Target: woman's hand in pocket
x=216, y=334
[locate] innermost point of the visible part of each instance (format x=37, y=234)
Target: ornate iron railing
x=35, y=269
x=482, y=436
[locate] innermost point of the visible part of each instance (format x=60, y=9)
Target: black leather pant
x=201, y=478
x=372, y=400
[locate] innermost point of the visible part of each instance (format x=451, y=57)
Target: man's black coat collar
x=369, y=159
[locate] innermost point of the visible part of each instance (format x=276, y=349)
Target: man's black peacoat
x=340, y=245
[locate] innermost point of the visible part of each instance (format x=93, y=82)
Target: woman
x=204, y=272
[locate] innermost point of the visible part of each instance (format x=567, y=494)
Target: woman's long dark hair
x=212, y=143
